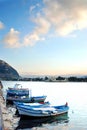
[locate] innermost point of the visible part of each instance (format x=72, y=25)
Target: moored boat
x=20, y=94
x=30, y=123
x=37, y=110
x=17, y=90
x=34, y=99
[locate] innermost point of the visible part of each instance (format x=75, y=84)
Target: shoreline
x=7, y=120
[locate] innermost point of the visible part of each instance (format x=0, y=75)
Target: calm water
x=57, y=93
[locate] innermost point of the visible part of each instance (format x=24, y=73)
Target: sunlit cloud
x=11, y=39
x=41, y=29
x=30, y=39
x=60, y=17
x=1, y=25
x=66, y=16
x=43, y=25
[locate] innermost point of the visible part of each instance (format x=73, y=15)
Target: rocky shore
x=8, y=119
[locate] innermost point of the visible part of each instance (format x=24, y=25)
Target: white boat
x=37, y=110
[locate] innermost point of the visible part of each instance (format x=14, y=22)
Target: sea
x=58, y=93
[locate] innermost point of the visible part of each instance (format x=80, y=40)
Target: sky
x=44, y=37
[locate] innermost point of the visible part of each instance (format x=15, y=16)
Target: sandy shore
x=8, y=114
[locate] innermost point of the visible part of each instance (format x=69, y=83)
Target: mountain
x=7, y=72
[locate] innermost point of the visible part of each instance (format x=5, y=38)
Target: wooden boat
x=27, y=123
x=39, y=99
x=19, y=94
x=17, y=90
x=37, y=110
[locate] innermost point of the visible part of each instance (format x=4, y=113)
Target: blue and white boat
x=20, y=94
x=17, y=90
x=23, y=99
x=37, y=110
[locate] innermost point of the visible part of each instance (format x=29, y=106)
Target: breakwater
x=6, y=116
x=1, y=120
x=1, y=116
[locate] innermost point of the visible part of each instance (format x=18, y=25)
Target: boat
x=34, y=99
x=17, y=90
x=20, y=94
x=31, y=123
x=37, y=110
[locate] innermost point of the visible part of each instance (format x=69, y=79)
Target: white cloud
x=62, y=16
x=30, y=39
x=66, y=16
x=42, y=28
x=11, y=39
x=1, y=25
x=42, y=25
x=34, y=7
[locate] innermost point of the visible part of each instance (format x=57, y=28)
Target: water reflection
x=25, y=123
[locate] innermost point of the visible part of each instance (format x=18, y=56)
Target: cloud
x=42, y=28
x=30, y=39
x=34, y=7
x=61, y=17
x=43, y=25
x=1, y=25
x=11, y=39
x=66, y=16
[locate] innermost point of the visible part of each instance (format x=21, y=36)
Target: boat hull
x=42, y=111
x=39, y=99
x=19, y=94
x=27, y=122
x=37, y=116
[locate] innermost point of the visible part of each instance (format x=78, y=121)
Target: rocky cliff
x=7, y=72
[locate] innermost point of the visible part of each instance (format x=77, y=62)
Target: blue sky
x=44, y=37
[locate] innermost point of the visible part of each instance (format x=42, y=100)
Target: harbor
x=10, y=121
x=57, y=94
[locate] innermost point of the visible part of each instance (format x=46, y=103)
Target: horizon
x=44, y=37
x=36, y=75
